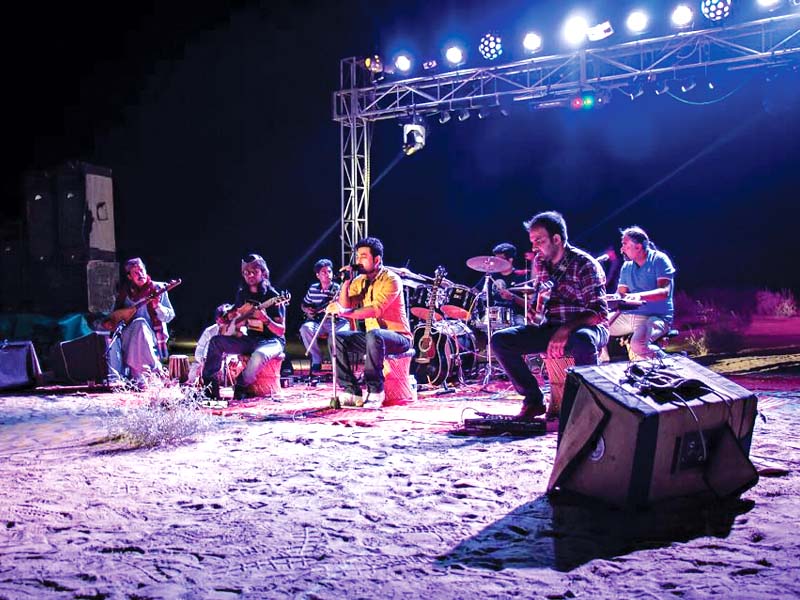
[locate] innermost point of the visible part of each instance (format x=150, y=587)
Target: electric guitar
x=126, y=314
x=237, y=318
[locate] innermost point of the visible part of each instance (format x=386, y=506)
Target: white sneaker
x=349, y=399
x=374, y=399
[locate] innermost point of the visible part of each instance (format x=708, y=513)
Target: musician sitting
x=137, y=352
x=568, y=316
x=201, y=350
x=249, y=330
x=317, y=298
x=511, y=277
x=646, y=275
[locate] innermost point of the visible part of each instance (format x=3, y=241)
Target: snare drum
x=418, y=299
x=500, y=317
x=459, y=302
x=179, y=367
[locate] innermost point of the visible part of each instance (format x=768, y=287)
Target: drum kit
x=460, y=312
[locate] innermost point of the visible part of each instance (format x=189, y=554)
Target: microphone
x=346, y=272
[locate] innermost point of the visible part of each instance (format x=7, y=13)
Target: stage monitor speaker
x=82, y=360
x=19, y=365
x=632, y=434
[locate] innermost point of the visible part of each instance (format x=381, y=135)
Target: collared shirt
x=385, y=294
x=317, y=299
x=656, y=266
x=580, y=286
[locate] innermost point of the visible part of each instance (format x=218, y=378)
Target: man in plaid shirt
x=570, y=312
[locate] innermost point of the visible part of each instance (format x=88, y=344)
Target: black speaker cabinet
x=635, y=433
x=82, y=360
x=40, y=215
x=19, y=365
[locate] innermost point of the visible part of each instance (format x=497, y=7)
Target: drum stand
x=487, y=295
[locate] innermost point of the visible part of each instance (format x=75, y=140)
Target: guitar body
x=431, y=347
x=118, y=316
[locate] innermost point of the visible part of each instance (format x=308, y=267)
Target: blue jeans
x=259, y=349
x=511, y=344
x=309, y=329
x=376, y=344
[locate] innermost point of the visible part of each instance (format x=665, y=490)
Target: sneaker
x=374, y=399
x=350, y=399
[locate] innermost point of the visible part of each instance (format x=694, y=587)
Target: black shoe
x=211, y=389
x=530, y=411
x=239, y=392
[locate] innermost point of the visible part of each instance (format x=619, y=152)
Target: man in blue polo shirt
x=647, y=275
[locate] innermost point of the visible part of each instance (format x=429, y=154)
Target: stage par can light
x=637, y=21
x=682, y=16
x=402, y=63
x=532, y=42
x=575, y=29
x=454, y=55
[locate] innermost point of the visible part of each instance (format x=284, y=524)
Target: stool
x=397, y=385
x=557, y=374
x=179, y=367
x=268, y=379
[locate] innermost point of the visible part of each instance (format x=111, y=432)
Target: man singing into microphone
x=375, y=295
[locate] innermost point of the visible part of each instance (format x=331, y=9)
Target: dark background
x=216, y=121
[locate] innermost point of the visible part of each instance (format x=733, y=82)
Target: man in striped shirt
x=571, y=311
x=317, y=298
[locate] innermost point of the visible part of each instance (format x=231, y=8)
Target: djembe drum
x=179, y=367
x=557, y=374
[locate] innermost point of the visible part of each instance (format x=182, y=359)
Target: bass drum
x=453, y=343
x=418, y=300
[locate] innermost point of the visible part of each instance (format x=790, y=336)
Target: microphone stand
x=487, y=295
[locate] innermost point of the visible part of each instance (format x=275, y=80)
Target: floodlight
x=637, y=21
x=770, y=4
x=574, y=30
x=374, y=64
x=454, y=55
x=715, y=10
x=682, y=16
x=402, y=63
x=444, y=116
x=532, y=42
x=688, y=85
x=491, y=46
x=463, y=114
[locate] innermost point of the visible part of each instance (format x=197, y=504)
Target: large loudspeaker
x=82, y=360
x=635, y=433
x=40, y=214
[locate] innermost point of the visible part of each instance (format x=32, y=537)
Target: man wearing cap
x=137, y=352
x=263, y=335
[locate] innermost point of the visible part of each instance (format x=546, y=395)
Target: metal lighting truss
x=541, y=81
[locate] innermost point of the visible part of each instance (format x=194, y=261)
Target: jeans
x=309, y=328
x=376, y=344
x=259, y=349
x=511, y=344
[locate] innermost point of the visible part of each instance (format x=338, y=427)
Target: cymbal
x=488, y=264
x=523, y=289
x=407, y=274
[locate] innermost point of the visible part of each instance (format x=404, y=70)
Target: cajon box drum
x=635, y=433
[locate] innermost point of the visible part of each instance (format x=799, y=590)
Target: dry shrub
x=161, y=420
x=776, y=304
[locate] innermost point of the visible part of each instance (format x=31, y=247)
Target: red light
x=576, y=103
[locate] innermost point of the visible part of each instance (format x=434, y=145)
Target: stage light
x=374, y=64
x=770, y=4
x=574, y=30
x=688, y=85
x=637, y=91
x=587, y=101
x=444, y=116
x=454, y=55
x=463, y=114
x=491, y=46
x=637, y=21
x=402, y=63
x=715, y=10
x=663, y=88
x=429, y=64
x=414, y=135
x=600, y=31
x=483, y=112
x=682, y=16
x=532, y=42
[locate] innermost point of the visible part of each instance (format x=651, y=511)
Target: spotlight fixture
x=682, y=16
x=483, y=112
x=414, y=135
x=373, y=64
x=600, y=31
x=688, y=85
x=444, y=116
x=463, y=114
x=663, y=88
x=429, y=64
x=770, y=4
x=454, y=55
x=637, y=21
x=715, y=10
x=636, y=92
x=532, y=42
x=584, y=101
x=491, y=46
x=402, y=63
x=574, y=30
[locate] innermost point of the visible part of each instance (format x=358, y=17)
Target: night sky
x=216, y=122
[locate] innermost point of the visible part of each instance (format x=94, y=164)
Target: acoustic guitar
x=125, y=315
x=238, y=317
